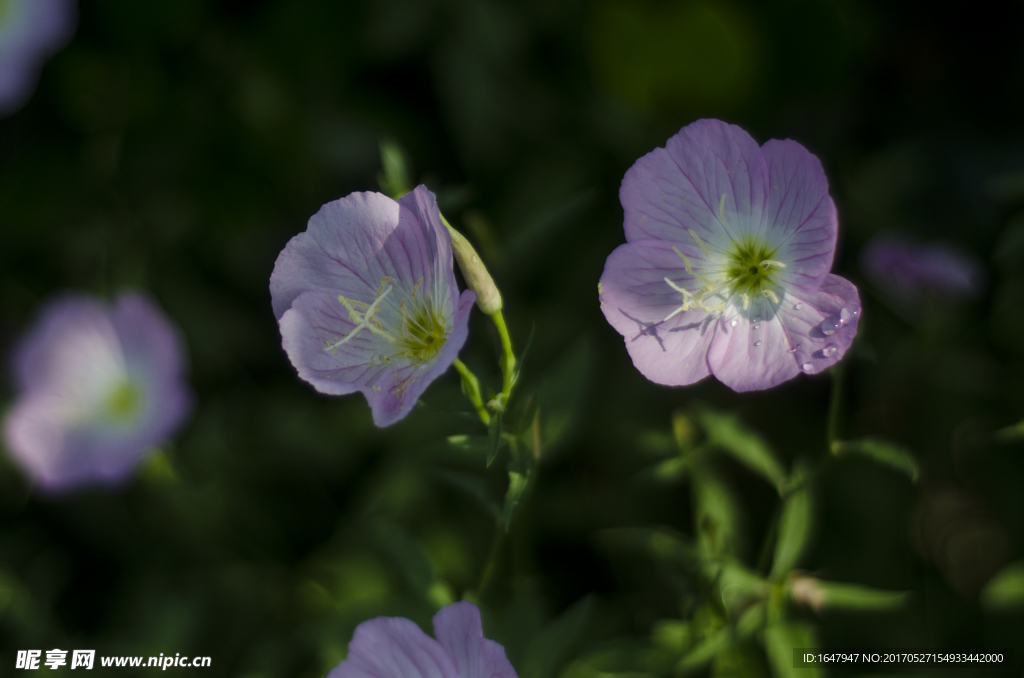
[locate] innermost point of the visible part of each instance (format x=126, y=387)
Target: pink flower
x=726, y=266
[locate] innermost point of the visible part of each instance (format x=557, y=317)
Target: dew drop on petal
x=734, y=322
x=806, y=367
x=829, y=351
x=794, y=349
x=757, y=343
x=797, y=307
x=829, y=326
x=846, y=315
x=757, y=326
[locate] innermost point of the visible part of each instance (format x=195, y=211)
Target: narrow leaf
x=794, y=532
x=820, y=595
x=700, y=656
x=1005, y=591
x=517, y=483
x=717, y=516
x=780, y=640
x=493, y=438
x=728, y=433
x=885, y=453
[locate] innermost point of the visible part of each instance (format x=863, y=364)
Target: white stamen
x=363, y=320
x=768, y=263
x=771, y=295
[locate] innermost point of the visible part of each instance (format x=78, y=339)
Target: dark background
x=176, y=145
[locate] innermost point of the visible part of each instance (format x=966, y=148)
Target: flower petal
x=670, y=191
x=636, y=300
x=393, y=647
x=316, y=322
x=457, y=627
x=153, y=352
x=749, y=351
x=352, y=244
x=821, y=326
x=801, y=218
x=496, y=664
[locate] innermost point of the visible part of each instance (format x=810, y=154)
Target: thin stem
x=487, y=576
x=833, y=407
x=508, y=358
x=471, y=387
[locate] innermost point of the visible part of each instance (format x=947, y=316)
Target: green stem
x=487, y=576
x=508, y=358
x=833, y=407
x=471, y=387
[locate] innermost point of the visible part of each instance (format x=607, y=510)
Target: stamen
x=768, y=263
x=746, y=300
x=771, y=295
x=363, y=320
x=721, y=209
x=700, y=243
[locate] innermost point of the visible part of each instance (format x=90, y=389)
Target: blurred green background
x=176, y=145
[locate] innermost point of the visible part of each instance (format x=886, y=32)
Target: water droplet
x=757, y=326
x=757, y=343
x=806, y=367
x=829, y=351
x=846, y=315
x=797, y=307
x=829, y=326
x=794, y=349
x=734, y=322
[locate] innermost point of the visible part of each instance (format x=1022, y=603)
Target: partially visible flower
x=98, y=387
x=912, y=270
x=394, y=647
x=726, y=266
x=366, y=300
x=30, y=31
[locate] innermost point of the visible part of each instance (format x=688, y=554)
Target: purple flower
x=98, y=387
x=366, y=300
x=726, y=266
x=393, y=647
x=910, y=270
x=30, y=30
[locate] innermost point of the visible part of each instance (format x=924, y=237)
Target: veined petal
x=749, y=355
x=353, y=244
x=313, y=330
x=393, y=647
x=800, y=219
x=496, y=664
x=457, y=628
x=680, y=188
x=636, y=300
x=821, y=326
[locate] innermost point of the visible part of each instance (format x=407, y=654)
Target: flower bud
x=478, y=279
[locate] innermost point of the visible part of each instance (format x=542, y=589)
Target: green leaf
x=738, y=586
x=1010, y=434
x=493, y=438
x=727, y=432
x=819, y=595
x=885, y=453
x=780, y=640
x=794, y=532
x=517, y=483
x=1005, y=591
x=564, y=391
x=700, y=656
x=394, y=176
x=558, y=641
x=717, y=516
